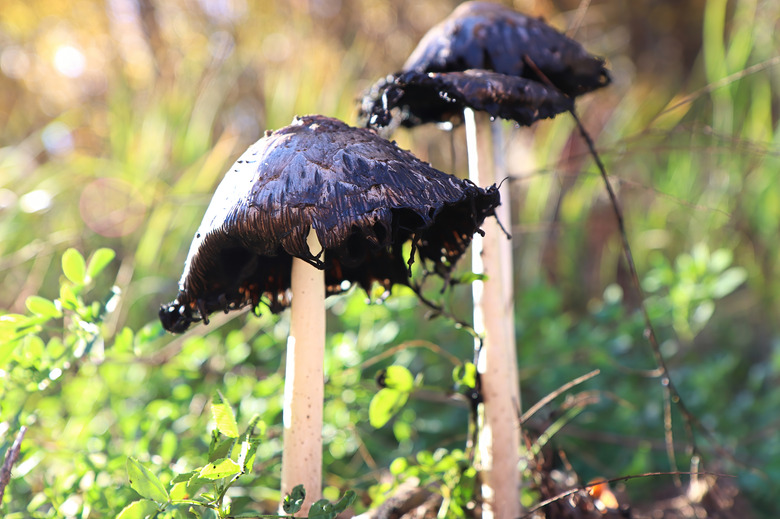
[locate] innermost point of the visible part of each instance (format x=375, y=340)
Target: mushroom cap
x=363, y=196
x=442, y=96
x=507, y=61
x=484, y=35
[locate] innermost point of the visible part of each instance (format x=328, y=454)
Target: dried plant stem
x=10, y=458
x=555, y=394
x=498, y=420
x=670, y=391
x=304, y=381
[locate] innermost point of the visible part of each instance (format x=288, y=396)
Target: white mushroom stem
x=499, y=425
x=304, y=379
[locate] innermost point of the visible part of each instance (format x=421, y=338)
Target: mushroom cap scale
x=363, y=196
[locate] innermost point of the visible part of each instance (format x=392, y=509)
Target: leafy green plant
x=448, y=472
x=690, y=286
x=203, y=491
x=36, y=348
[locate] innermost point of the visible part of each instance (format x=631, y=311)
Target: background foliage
x=120, y=117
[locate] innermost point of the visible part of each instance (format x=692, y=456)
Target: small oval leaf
x=145, y=483
x=43, y=307
x=123, y=341
x=384, y=405
x=73, y=266
x=99, y=260
x=294, y=500
x=223, y=416
x=465, y=374
x=398, y=378
x=221, y=468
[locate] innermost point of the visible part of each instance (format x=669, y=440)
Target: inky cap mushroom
x=363, y=196
x=514, y=56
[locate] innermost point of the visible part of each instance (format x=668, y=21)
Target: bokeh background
x=118, y=119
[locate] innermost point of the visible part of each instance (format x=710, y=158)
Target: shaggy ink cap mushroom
x=363, y=196
x=482, y=37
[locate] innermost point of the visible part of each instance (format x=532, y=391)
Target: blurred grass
x=120, y=118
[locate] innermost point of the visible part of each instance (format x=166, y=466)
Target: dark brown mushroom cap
x=515, y=67
x=362, y=194
x=440, y=97
x=484, y=35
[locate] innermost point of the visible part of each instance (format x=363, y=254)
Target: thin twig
x=758, y=67
x=10, y=458
x=551, y=396
x=417, y=343
x=670, y=391
x=579, y=17
x=441, y=310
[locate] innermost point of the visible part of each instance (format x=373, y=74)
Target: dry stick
x=304, y=381
x=499, y=431
x=551, y=396
x=670, y=391
x=10, y=458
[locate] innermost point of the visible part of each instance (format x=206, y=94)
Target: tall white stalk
x=304, y=381
x=499, y=426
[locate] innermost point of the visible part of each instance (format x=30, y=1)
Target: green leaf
x=138, y=510
x=729, y=281
x=294, y=500
x=145, y=483
x=179, y=491
x=123, y=341
x=7, y=348
x=223, y=416
x=470, y=277
x=402, y=430
x=322, y=509
x=180, y=478
x=398, y=466
x=465, y=375
x=384, y=405
x=43, y=307
x=345, y=502
x=247, y=456
x=68, y=297
x=220, y=448
x=221, y=468
x=73, y=266
x=12, y=321
x=396, y=377
x=99, y=260
x=255, y=423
